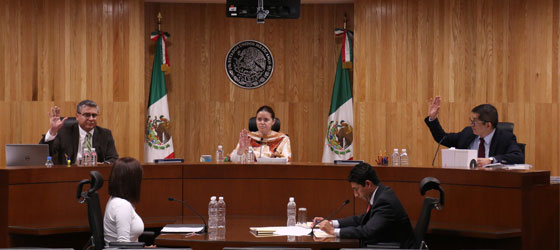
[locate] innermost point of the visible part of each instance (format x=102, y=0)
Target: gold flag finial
x=345, y=21
x=159, y=17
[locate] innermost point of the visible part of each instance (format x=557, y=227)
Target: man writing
x=493, y=145
x=385, y=220
x=69, y=141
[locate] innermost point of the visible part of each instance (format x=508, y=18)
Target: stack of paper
x=182, y=228
x=288, y=231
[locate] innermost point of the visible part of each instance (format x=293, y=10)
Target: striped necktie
x=87, y=142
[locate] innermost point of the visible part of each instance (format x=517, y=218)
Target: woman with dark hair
x=121, y=222
x=265, y=142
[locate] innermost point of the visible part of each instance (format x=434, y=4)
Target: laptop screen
x=26, y=154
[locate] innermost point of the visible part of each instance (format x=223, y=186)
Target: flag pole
x=159, y=17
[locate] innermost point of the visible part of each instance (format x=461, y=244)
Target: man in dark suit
x=385, y=220
x=494, y=145
x=68, y=141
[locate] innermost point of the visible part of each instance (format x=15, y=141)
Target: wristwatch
x=491, y=159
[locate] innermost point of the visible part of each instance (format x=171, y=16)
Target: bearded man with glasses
x=494, y=145
x=67, y=141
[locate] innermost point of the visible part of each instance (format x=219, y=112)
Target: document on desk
x=182, y=228
x=287, y=231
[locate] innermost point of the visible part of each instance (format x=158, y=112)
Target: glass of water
x=302, y=216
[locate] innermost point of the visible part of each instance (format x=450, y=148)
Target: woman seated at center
x=265, y=142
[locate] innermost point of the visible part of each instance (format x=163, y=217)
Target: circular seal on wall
x=249, y=64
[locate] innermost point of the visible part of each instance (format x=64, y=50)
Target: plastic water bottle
x=86, y=157
x=221, y=213
x=395, y=157
x=49, y=162
x=93, y=157
x=212, y=218
x=250, y=155
x=220, y=154
x=404, y=158
x=291, y=213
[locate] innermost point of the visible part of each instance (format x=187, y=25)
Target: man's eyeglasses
x=475, y=120
x=89, y=115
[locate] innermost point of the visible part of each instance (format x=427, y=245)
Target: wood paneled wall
x=469, y=52
x=58, y=52
x=207, y=109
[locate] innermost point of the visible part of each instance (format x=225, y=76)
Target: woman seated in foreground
x=265, y=142
x=121, y=223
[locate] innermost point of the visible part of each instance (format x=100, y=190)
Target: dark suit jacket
x=68, y=138
x=386, y=221
x=503, y=146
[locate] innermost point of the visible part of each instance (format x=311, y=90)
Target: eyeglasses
x=89, y=115
x=475, y=120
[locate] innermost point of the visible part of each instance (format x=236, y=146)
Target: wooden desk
x=478, y=203
x=238, y=235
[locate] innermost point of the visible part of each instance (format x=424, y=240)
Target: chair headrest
x=431, y=183
x=505, y=126
x=96, y=181
x=253, y=124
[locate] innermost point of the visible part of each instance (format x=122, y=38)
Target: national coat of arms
x=249, y=64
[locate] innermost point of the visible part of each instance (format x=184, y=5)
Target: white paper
x=181, y=229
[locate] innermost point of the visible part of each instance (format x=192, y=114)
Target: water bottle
x=49, y=162
x=291, y=213
x=395, y=157
x=212, y=217
x=250, y=155
x=85, y=157
x=221, y=213
x=93, y=157
x=404, y=158
x=220, y=154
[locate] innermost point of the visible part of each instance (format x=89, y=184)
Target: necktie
x=481, y=149
x=87, y=142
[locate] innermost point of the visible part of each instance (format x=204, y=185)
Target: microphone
x=437, y=149
x=205, y=229
x=330, y=216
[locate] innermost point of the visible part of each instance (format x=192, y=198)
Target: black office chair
x=509, y=127
x=253, y=124
x=428, y=183
x=95, y=217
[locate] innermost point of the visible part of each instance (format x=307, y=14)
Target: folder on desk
x=263, y=231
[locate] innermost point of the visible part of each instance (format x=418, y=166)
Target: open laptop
x=26, y=154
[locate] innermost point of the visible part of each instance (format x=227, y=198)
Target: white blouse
x=121, y=222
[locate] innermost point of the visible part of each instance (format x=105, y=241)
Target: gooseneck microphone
x=194, y=211
x=437, y=149
x=330, y=216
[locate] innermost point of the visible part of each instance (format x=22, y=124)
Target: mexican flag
x=340, y=125
x=158, y=143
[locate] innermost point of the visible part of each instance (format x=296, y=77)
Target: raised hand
x=54, y=119
x=433, y=110
x=244, y=141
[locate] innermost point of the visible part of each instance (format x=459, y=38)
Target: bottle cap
x=396, y=150
x=221, y=198
x=404, y=149
x=213, y=198
x=219, y=146
x=291, y=199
